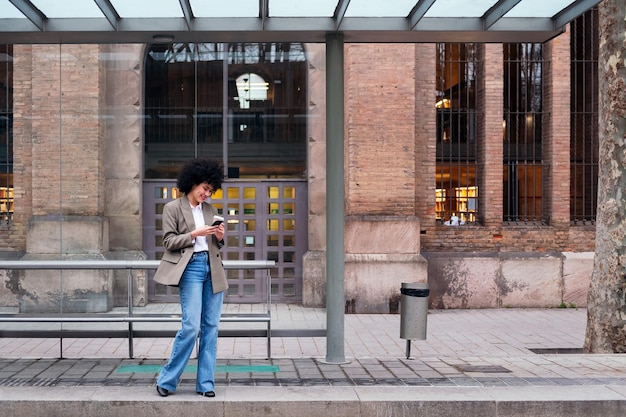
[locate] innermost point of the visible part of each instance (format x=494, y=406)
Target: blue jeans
x=201, y=315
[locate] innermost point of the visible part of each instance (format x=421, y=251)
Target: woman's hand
x=218, y=231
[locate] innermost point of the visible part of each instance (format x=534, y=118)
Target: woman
x=192, y=262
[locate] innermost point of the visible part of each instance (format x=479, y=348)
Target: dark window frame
x=456, y=191
x=192, y=108
x=523, y=167
x=584, y=139
x=6, y=135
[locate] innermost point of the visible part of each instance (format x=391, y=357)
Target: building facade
x=468, y=166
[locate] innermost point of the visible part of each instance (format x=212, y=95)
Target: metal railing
x=129, y=317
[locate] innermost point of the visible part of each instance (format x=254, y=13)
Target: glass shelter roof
x=144, y=21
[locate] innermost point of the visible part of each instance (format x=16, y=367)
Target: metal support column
x=335, y=190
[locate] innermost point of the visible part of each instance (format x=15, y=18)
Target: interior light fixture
x=443, y=104
x=163, y=38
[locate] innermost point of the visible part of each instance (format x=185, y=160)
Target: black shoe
x=162, y=391
x=207, y=394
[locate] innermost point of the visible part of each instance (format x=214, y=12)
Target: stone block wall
x=377, y=265
x=515, y=280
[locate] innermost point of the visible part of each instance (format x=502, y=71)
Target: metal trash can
x=413, y=312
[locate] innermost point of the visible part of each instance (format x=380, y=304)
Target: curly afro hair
x=199, y=170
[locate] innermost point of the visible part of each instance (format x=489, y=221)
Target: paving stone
x=464, y=348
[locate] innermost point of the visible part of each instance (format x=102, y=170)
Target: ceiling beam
x=109, y=12
x=277, y=29
x=493, y=26
x=418, y=11
x=340, y=12
x=187, y=12
x=302, y=27
x=130, y=28
x=31, y=12
x=573, y=11
x=496, y=12
x=264, y=11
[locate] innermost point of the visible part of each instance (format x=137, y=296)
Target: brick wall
x=66, y=132
x=14, y=235
x=46, y=125
x=57, y=133
x=380, y=125
x=507, y=239
x=490, y=134
x=69, y=146
x=556, y=144
x=491, y=235
x=390, y=145
x=425, y=133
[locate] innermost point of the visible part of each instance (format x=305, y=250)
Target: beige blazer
x=178, y=224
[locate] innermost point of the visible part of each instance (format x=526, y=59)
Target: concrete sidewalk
x=505, y=362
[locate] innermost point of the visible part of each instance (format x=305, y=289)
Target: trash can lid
x=415, y=292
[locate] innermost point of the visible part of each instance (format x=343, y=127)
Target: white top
x=200, y=243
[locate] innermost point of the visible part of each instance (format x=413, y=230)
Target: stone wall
x=513, y=279
x=376, y=266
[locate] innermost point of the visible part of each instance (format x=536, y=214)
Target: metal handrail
x=130, y=318
x=118, y=264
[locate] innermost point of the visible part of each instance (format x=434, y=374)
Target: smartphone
x=217, y=220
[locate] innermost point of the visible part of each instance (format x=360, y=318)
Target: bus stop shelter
x=333, y=22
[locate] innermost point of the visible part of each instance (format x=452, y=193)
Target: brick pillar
x=425, y=133
x=15, y=239
x=381, y=176
x=66, y=174
x=380, y=126
x=556, y=129
x=490, y=134
x=67, y=151
x=67, y=132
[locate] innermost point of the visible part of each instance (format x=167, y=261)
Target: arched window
x=243, y=103
x=251, y=87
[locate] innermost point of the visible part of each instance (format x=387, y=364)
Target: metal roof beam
x=109, y=12
x=187, y=12
x=31, y=12
x=264, y=11
x=135, y=29
x=283, y=29
x=418, y=11
x=573, y=11
x=496, y=12
x=340, y=12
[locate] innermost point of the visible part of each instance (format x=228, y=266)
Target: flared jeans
x=201, y=310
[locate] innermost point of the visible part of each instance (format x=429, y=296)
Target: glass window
x=242, y=103
x=6, y=134
x=584, y=123
x=457, y=190
x=522, y=126
x=250, y=88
